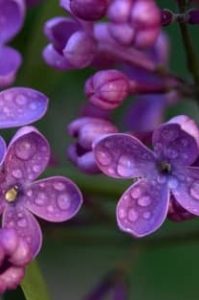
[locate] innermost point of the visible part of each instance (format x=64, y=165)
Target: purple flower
x=134, y=22
x=55, y=199
x=71, y=46
x=12, y=13
x=160, y=173
x=21, y=106
x=14, y=256
x=86, y=130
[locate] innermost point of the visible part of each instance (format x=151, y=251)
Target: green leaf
x=33, y=285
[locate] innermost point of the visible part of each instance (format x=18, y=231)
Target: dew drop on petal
x=173, y=183
x=25, y=150
x=59, y=186
x=17, y=173
x=132, y=215
x=40, y=199
x=147, y=215
x=144, y=201
x=22, y=223
x=124, y=166
x=122, y=213
x=136, y=192
x=104, y=158
x=21, y=100
x=194, y=190
x=63, y=201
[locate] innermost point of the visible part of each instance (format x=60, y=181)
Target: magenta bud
x=107, y=89
x=80, y=49
x=167, y=17
x=193, y=16
x=89, y=10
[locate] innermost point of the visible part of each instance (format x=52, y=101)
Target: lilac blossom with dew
x=14, y=256
x=134, y=22
x=54, y=199
x=167, y=171
x=12, y=14
x=21, y=106
x=86, y=130
x=70, y=45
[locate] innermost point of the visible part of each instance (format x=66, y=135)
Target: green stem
x=191, y=55
x=33, y=285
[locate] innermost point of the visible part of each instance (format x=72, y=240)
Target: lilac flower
x=21, y=106
x=12, y=14
x=71, y=46
x=166, y=171
x=134, y=22
x=14, y=256
x=55, y=199
x=86, y=130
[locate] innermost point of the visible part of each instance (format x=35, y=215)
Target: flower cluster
x=54, y=199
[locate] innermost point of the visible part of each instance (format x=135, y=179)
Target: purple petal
x=25, y=224
x=10, y=61
x=186, y=189
x=143, y=208
x=123, y=156
x=21, y=106
x=12, y=13
x=27, y=156
x=54, y=59
x=59, y=29
x=3, y=148
x=146, y=113
x=54, y=199
x=174, y=144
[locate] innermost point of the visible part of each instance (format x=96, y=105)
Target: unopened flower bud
x=167, y=17
x=107, y=89
x=89, y=10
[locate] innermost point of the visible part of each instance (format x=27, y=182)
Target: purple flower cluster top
x=164, y=173
x=55, y=199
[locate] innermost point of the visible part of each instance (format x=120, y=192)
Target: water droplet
x=36, y=168
x=25, y=150
x=104, y=158
x=161, y=179
x=50, y=208
x=59, y=186
x=63, y=201
x=144, y=201
x=194, y=190
x=125, y=166
x=40, y=199
x=147, y=215
x=17, y=173
x=29, y=193
x=22, y=223
x=33, y=106
x=21, y=100
x=136, y=192
x=122, y=213
x=173, y=183
x=132, y=215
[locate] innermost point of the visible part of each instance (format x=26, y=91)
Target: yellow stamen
x=11, y=194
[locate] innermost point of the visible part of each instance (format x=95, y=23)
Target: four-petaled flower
x=166, y=172
x=54, y=199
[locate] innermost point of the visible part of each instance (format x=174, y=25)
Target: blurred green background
x=75, y=258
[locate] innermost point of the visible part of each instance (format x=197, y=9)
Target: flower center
x=164, y=167
x=11, y=194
